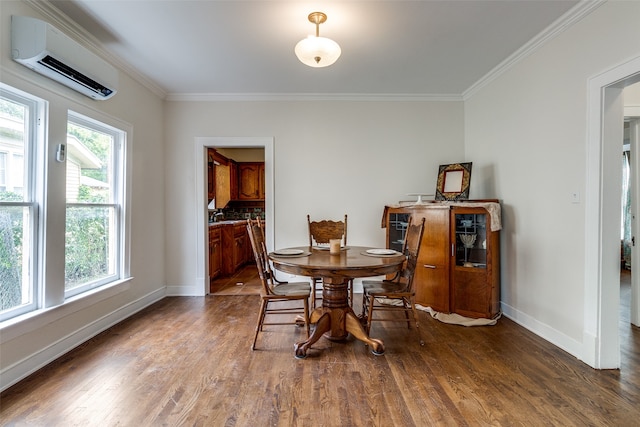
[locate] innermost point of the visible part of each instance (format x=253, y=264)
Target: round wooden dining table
x=336, y=319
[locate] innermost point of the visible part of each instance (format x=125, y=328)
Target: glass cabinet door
x=397, y=229
x=471, y=240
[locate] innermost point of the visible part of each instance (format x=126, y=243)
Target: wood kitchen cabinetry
x=230, y=180
x=251, y=181
x=234, y=246
x=215, y=252
x=229, y=248
x=211, y=189
x=226, y=183
x=459, y=263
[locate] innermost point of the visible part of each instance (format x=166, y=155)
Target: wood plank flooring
x=187, y=361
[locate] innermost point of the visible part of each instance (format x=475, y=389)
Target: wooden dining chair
x=320, y=233
x=276, y=296
x=399, y=289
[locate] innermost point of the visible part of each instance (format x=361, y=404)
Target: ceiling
x=243, y=47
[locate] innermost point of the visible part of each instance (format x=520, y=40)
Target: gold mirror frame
x=453, y=181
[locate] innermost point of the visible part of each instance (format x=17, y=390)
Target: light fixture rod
x=317, y=18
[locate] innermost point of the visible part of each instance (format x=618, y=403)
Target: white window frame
x=120, y=225
x=34, y=153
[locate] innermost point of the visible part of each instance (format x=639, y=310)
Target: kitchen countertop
x=228, y=222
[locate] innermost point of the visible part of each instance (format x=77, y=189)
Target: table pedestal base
x=335, y=320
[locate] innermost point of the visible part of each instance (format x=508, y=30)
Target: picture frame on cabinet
x=453, y=181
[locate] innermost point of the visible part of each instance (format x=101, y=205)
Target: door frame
x=202, y=221
x=634, y=142
x=601, y=336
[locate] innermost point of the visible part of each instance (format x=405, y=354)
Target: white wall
x=32, y=343
x=330, y=158
x=531, y=123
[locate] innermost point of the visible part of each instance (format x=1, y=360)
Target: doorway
x=632, y=137
x=601, y=338
x=202, y=220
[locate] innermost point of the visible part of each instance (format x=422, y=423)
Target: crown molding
x=71, y=28
x=208, y=97
x=566, y=21
x=571, y=17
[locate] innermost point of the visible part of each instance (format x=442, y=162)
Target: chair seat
x=382, y=287
x=292, y=288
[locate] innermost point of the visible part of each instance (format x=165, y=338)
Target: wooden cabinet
x=215, y=252
x=229, y=248
x=459, y=262
x=233, y=180
x=226, y=183
x=235, y=247
x=211, y=189
x=251, y=181
x=240, y=242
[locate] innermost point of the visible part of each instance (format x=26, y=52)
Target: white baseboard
x=10, y=375
x=184, y=291
x=555, y=337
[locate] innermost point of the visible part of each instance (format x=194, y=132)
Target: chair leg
x=415, y=315
x=306, y=316
x=351, y=293
x=314, y=286
x=371, y=301
x=263, y=310
x=365, y=310
x=407, y=306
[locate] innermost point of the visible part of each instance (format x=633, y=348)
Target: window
x=3, y=169
x=94, y=213
x=33, y=272
x=19, y=213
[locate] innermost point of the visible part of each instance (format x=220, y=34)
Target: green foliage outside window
x=87, y=228
x=86, y=251
x=10, y=257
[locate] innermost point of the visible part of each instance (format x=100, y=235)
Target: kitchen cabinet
x=459, y=261
x=229, y=248
x=233, y=181
x=235, y=242
x=251, y=181
x=211, y=189
x=226, y=183
x=215, y=252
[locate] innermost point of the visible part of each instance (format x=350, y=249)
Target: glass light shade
x=317, y=51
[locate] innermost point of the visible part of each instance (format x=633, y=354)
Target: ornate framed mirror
x=453, y=181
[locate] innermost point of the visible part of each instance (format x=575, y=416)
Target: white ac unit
x=43, y=48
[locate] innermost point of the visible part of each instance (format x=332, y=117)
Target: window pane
x=92, y=222
x=12, y=145
x=89, y=248
x=15, y=289
x=89, y=165
x=17, y=208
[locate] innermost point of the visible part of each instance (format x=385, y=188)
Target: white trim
x=10, y=375
x=550, y=334
x=212, y=97
x=200, y=208
x=73, y=30
x=600, y=345
x=562, y=24
x=632, y=110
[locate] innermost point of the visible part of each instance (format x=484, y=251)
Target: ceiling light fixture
x=317, y=51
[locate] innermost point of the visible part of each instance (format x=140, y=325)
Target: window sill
x=28, y=322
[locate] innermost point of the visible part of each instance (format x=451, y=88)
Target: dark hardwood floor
x=187, y=361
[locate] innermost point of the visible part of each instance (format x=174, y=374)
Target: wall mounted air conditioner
x=43, y=48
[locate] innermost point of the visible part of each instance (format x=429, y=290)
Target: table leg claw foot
x=377, y=347
x=323, y=325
